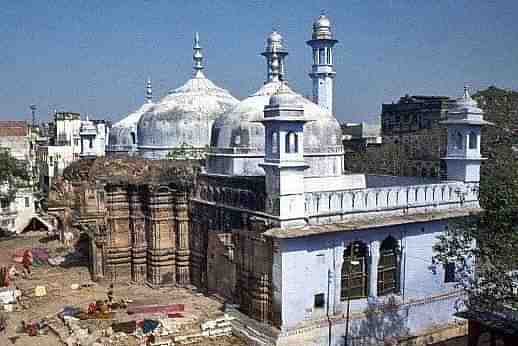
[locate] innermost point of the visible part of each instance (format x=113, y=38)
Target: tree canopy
x=484, y=249
x=11, y=168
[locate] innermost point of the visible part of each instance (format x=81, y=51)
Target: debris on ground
x=58, y=304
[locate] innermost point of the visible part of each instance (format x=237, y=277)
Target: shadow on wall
x=385, y=322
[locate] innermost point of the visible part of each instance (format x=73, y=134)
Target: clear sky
x=94, y=56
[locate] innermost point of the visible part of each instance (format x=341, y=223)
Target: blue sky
x=94, y=56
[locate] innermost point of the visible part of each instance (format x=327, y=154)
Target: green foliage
x=13, y=172
x=11, y=168
x=490, y=241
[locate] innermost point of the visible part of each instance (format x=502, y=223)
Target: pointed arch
x=355, y=271
x=388, y=267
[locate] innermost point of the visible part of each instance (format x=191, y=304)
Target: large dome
x=240, y=132
x=183, y=118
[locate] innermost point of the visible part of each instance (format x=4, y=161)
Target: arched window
x=458, y=140
x=472, y=140
x=355, y=275
x=275, y=142
x=291, y=142
x=388, y=267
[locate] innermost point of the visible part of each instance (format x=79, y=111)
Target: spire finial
x=149, y=91
x=466, y=91
x=197, y=57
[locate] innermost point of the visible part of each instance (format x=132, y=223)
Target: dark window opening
x=320, y=300
x=355, y=275
x=388, y=267
x=449, y=272
x=472, y=140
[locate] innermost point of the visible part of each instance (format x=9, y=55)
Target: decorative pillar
x=182, y=236
x=374, y=256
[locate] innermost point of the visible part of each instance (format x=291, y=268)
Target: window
x=291, y=142
x=449, y=272
x=355, y=271
x=4, y=203
x=275, y=142
x=90, y=143
x=133, y=138
x=388, y=267
x=320, y=300
x=26, y=202
x=472, y=140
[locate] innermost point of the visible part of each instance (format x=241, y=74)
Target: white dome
x=240, y=130
x=183, y=117
x=123, y=134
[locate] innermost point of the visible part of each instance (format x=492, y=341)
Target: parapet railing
x=387, y=198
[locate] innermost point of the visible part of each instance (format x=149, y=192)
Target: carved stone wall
x=139, y=233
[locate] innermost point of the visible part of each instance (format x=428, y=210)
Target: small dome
x=322, y=22
x=466, y=102
x=274, y=41
x=322, y=28
x=283, y=97
x=123, y=134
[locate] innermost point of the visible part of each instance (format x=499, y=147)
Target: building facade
x=412, y=125
x=275, y=226
x=17, y=210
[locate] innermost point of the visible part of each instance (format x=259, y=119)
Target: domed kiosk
x=238, y=138
x=123, y=134
x=184, y=117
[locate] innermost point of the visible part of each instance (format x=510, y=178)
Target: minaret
x=284, y=164
x=464, y=123
x=274, y=44
x=197, y=56
x=322, y=71
x=149, y=91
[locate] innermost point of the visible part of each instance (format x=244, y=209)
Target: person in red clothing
x=27, y=262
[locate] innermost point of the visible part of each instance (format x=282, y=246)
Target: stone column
x=374, y=256
x=182, y=244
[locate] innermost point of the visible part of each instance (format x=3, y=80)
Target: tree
x=13, y=172
x=484, y=248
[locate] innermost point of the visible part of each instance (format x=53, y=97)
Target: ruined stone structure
x=137, y=223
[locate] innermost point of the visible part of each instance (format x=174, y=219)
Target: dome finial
x=149, y=91
x=466, y=91
x=197, y=57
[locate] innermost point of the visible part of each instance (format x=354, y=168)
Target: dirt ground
x=58, y=281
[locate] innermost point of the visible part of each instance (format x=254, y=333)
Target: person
x=27, y=262
x=110, y=295
x=3, y=323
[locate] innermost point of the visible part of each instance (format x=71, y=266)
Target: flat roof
x=369, y=222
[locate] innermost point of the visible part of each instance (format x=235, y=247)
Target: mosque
x=273, y=224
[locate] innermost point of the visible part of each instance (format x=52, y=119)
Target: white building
x=279, y=229
x=17, y=210
x=94, y=138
